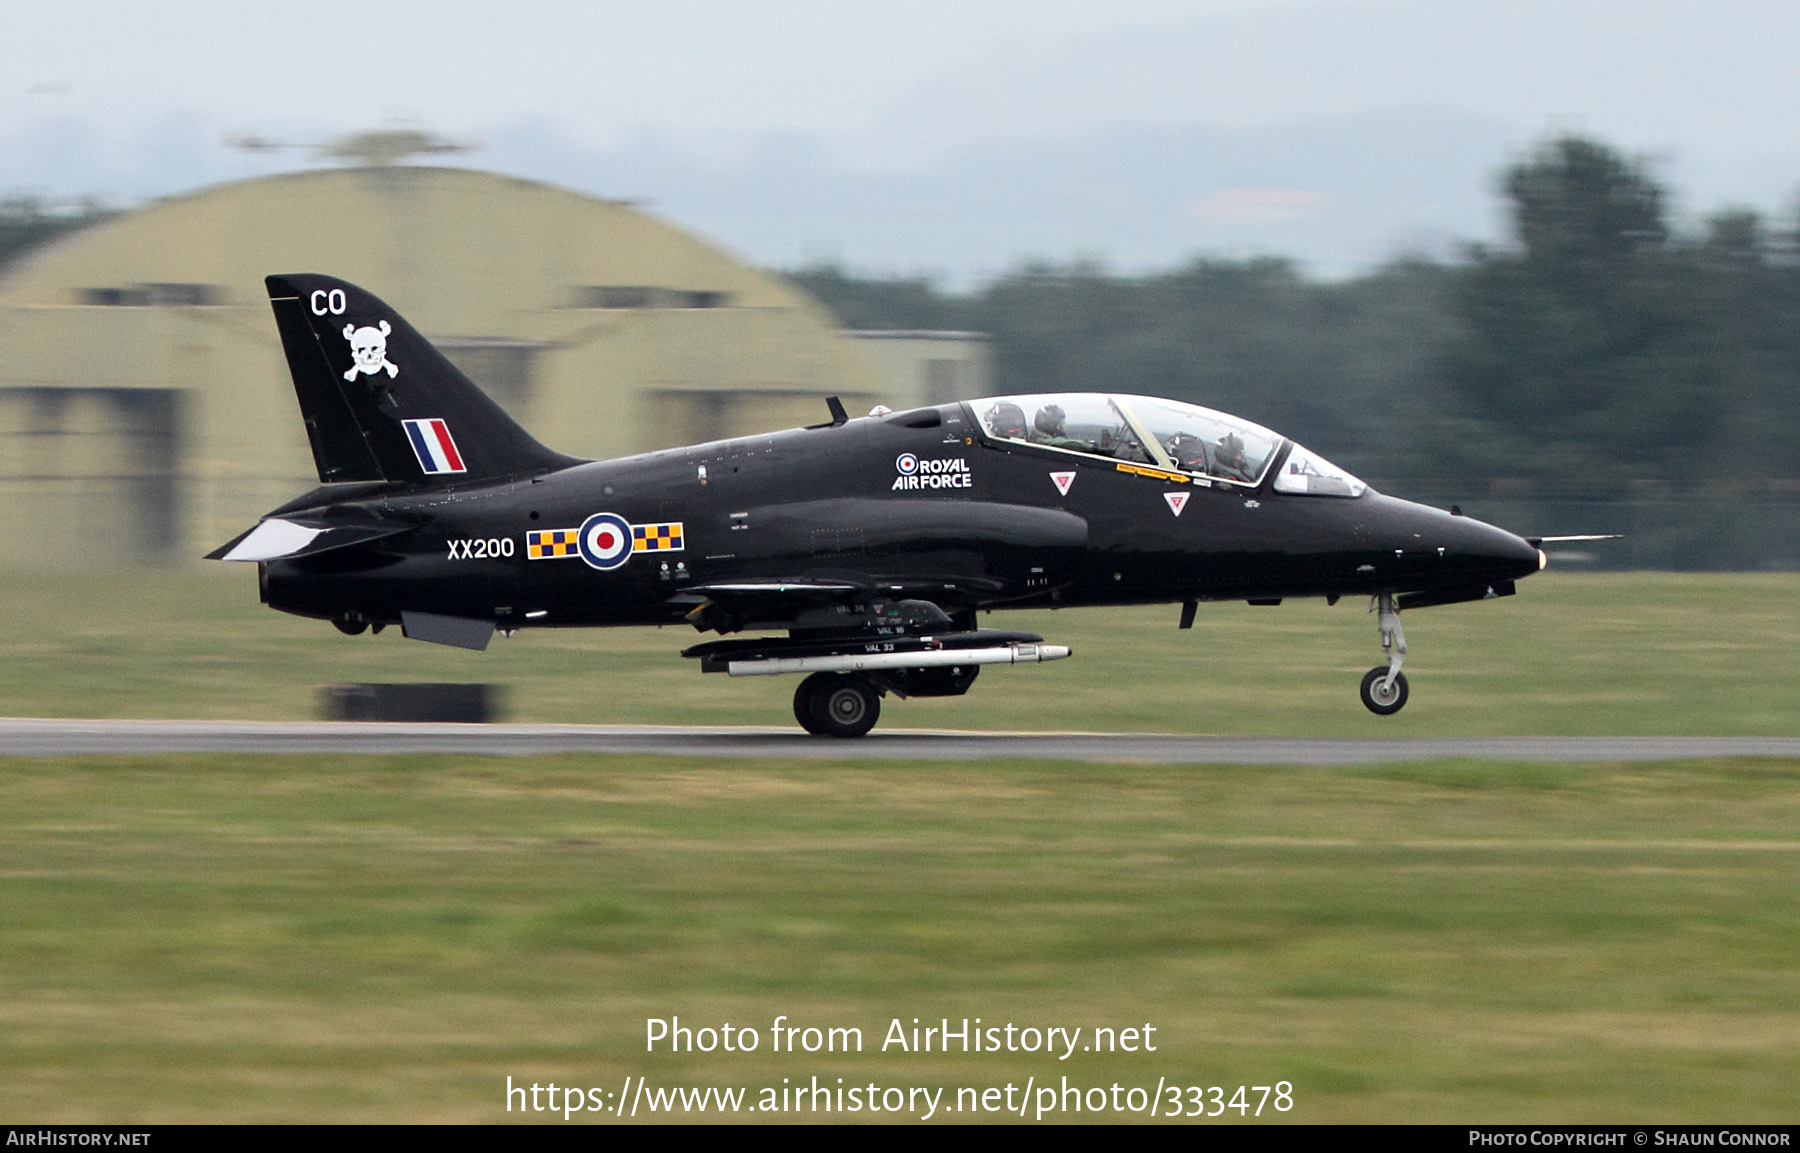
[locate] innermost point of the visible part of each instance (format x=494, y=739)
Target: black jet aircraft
x=870, y=543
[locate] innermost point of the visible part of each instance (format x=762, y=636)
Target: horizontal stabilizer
x=281, y=539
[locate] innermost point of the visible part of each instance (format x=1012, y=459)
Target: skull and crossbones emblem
x=368, y=347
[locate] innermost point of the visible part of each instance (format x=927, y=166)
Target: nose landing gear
x=1384, y=688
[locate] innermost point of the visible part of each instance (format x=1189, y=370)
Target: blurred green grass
x=339, y=938
x=1630, y=653
x=226, y=938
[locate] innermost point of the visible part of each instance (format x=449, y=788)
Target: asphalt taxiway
x=36, y=737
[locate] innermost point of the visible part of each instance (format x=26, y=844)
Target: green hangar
x=146, y=413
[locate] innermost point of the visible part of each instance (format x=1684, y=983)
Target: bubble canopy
x=1164, y=433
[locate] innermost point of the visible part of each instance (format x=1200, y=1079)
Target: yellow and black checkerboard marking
x=551, y=543
x=656, y=537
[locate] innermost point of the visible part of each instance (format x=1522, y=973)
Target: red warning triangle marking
x=1062, y=481
x=1177, y=501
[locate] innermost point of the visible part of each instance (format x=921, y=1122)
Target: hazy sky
x=796, y=127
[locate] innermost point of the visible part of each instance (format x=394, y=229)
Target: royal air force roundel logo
x=944, y=472
x=605, y=540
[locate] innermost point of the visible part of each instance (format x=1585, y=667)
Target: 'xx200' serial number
x=479, y=549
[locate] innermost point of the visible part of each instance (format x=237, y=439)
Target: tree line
x=29, y=221
x=1598, y=351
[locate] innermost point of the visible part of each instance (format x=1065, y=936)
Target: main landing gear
x=837, y=705
x=851, y=672
x=1384, y=687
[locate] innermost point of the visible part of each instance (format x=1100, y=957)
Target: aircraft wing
x=812, y=600
x=921, y=523
x=763, y=602
x=797, y=590
x=905, y=603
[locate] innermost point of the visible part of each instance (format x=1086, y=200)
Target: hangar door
x=87, y=476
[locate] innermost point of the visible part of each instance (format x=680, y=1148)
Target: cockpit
x=1166, y=434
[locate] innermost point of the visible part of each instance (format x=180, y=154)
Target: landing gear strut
x=837, y=705
x=1384, y=688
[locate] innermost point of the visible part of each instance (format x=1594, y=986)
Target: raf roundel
x=907, y=464
x=605, y=541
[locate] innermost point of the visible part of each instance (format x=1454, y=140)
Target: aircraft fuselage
x=939, y=513
x=872, y=543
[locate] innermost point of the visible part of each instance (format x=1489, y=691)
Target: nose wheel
x=1384, y=686
x=836, y=705
x=1383, y=694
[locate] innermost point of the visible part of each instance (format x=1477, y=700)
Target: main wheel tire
x=1380, y=698
x=806, y=702
x=848, y=706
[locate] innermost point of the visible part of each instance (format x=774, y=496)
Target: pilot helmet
x=1007, y=419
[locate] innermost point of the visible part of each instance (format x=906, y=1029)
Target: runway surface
x=54, y=738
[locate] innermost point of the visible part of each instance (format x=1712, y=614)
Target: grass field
x=341, y=938
x=1630, y=653
x=298, y=939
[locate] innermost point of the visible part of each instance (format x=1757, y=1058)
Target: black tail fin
x=381, y=403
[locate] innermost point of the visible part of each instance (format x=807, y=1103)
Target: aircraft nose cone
x=1501, y=552
x=1434, y=545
